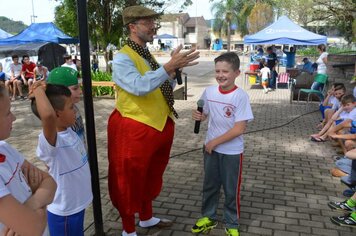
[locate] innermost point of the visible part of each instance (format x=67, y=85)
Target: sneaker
x=204, y=225
x=341, y=206
x=346, y=220
x=22, y=98
x=232, y=232
x=269, y=89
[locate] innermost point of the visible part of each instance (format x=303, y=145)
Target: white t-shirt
x=321, y=64
x=348, y=115
x=334, y=102
x=73, y=66
x=68, y=165
x=12, y=180
x=16, y=69
x=265, y=71
x=224, y=110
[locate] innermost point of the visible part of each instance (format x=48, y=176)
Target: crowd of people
x=23, y=73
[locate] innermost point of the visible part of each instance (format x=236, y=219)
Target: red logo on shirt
x=2, y=158
x=228, y=111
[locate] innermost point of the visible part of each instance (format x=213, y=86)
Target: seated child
x=333, y=98
x=22, y=203
x=344, y=116
x=64, y=153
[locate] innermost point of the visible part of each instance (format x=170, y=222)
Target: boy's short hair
x=63, y=76
x=56, y=95
x=339, y=86
x=231, y=58
x=349, y=98
x=14, y=56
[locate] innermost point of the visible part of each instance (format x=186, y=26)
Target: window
x=190, y=29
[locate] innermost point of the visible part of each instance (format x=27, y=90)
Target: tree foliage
x=225, y=14
x=338, y=13
x=10, y=26
x=261, y=15
x=104, y=18
x=331, y=14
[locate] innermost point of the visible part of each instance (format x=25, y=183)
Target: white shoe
x=269, y=89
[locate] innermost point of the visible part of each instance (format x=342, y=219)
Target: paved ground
x=286, y=180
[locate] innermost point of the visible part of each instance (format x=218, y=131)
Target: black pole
x=186, y=87
x=89, y=114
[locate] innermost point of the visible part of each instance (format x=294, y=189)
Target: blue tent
x=285, y=31
x=40, y=32
x=165, y=36
x=4, y=34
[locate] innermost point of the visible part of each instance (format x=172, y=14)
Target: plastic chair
x=283, y=78
x=320, y=78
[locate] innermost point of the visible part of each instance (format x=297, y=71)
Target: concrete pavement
x=286, y=180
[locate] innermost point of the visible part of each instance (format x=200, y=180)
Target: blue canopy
x=4, y=34
x=165, y=36
x=285, y=31
x=40, y=32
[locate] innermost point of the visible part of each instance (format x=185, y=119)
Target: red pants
x=138, y=155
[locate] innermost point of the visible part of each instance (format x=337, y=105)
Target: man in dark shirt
x=271, y=64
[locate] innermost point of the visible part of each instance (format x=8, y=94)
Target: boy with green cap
x=69, y=77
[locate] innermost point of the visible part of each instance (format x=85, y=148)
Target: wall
x=341, y=74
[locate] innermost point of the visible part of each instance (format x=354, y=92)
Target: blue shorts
x=322, y=110
x=66, y=225
x=344, y=164
x=2, y=76
x=353, y=127
x=338, y=121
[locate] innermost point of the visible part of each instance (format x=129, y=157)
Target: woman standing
x=322, y=61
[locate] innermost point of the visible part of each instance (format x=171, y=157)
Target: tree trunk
x=228, y=36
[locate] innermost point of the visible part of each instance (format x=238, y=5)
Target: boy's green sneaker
x=343, y=206
x=232, y=232
x=204, y=225
x=345, y=220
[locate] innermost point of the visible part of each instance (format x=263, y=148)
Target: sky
x=200, y=8
x=21, y=10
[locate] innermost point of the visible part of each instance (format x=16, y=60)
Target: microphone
x=200, y=104
x=179, y=77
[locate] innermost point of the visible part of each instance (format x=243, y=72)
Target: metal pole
x=33, y=14
x=185, y=86
x=89, y=114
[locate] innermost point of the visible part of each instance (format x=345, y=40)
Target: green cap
x=63, y=76
x=133, y=13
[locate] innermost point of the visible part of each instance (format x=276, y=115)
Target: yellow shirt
x=150, y=109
